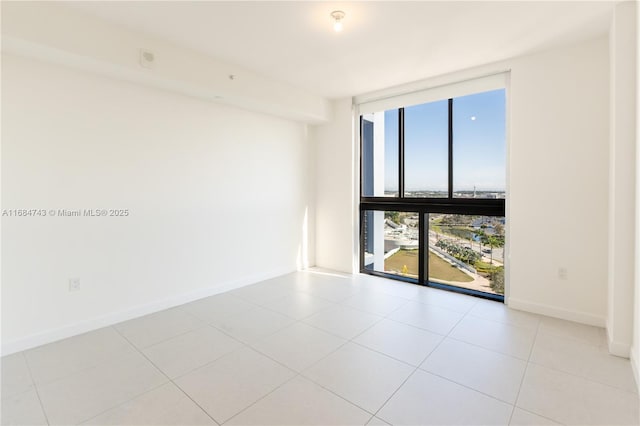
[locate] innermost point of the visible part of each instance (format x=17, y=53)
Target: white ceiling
x=383, y=43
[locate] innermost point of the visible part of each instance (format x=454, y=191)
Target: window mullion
x=423, y=249
x=401, y=153
x=450, y=168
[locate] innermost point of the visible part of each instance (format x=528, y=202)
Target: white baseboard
x=91, y=324
x=557, y=312
x=618, y=348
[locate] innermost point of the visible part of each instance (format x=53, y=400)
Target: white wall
x=557, y=180
x=635, y=348
x=622, y=40
x=217, y=199
x=335, y=213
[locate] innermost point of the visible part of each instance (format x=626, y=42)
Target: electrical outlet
x=74, y=284
x=563, y=274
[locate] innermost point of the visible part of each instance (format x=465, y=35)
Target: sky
x=479, y=154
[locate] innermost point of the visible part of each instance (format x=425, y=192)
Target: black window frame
x=424, y=206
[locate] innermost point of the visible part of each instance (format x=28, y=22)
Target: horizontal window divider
x=427, y=201
x=472, y=207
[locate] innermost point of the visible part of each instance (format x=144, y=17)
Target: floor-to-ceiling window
x=433, y=186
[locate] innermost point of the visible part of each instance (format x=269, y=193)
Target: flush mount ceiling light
x=337, y=16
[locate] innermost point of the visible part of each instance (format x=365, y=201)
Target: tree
x=497, y=280
x=492, y=241
x=393, y=217
x=481, y=237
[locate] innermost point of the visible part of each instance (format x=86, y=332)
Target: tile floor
x=320, y=348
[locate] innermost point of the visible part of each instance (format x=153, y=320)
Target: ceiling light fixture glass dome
x=337, y=16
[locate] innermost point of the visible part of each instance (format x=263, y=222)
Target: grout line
x=199, y=327
x=302, y=376
x=524, y=374
x=394, y=392
x=110, y=360
x=123, y=403
x=397, y=359
x=426, y=372
x=456, y=325
x=35, y=387
x=373, y=350
x=253, y=348
x=587, y=379
x=405, y=381
x=168, y=378
x=476, y=316
x=536, y=414
x=512, y=404
x=261, y=398
x=486, y=349
x=336, y=394
x=416, y=327
x=342, y=337
x=241, y=344
x=306, y=316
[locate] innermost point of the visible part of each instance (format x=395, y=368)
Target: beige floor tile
x=166, y=405
x=342, y=321
x=507, y=339
x=87, y=393
x=60, y=359
x=254, y=324
x=400, y=341
x=15, y=375
x=151, y=329
x=216, y=307
x=334, y=289
x=377, y=422
x=298, y=346
x=446, y=299
x=572, y=400
x=359, y=375
x=181, y=354
x=521, y=417
x=267, y=290
x=22, y=409
x=375, y=302
x=426, y=399
x=234, y=382
x=301, y=402
x=591, y=362
x=572, y=330
x=428, y=317
x=497, y=311
x=489, y=372
x=298, y=305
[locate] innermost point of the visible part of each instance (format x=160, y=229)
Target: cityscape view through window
x=433, y=193
x=463, y=250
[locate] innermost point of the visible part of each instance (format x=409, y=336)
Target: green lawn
x=438, y=268
x=397, y=262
